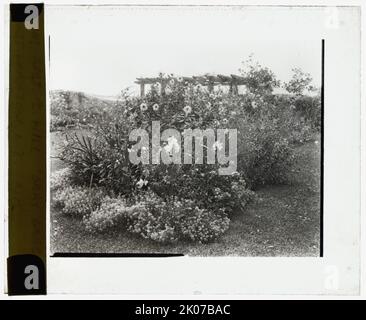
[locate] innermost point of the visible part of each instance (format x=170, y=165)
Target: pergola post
x=142, y=89
x=233, y=88
x=162, y=87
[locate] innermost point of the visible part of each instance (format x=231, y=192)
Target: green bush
x=265, y=156
x=296, y=118
x=102, y=157
x=77, y=201
x=185, y=201
x=309, y=109
x=201, y=184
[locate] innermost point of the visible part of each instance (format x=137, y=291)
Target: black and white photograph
x=183, y=149
x=183, y=131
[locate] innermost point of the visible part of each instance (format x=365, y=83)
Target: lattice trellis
x=233, y=81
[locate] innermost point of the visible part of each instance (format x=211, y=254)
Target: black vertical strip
x=27, y=151
x=322, y=157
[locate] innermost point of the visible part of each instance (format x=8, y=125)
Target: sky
x=101, y=50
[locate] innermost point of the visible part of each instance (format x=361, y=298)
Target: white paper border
x=185, y=275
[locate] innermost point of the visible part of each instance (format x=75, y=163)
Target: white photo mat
x=338, y=271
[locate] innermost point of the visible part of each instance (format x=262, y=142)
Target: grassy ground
x=283, y=222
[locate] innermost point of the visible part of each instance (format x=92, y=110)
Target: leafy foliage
x=75, y=109
x=259, y=80
x=299, y=83
x=171, y=202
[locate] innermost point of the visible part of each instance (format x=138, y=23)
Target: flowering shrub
x=174, y=219
x=184, y=201
x=103, y=156
x=112, y=212
x=201, y=184
x=264, y=143
x=201, y=225
x=60, y=179
x=152, y=217
x=77, y=201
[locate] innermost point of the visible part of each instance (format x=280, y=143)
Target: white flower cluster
x=60, y=179
x=77, y=201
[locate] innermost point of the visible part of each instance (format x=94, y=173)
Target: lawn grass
x=284, y=221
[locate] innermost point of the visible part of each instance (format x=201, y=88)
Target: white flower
x=143, y=106
x=141, y=183
x=316, y=141
x=254, y=105
x=180, y=79
x=225, y=121
x=171, y=82
x=187, y=110
x=155, y=107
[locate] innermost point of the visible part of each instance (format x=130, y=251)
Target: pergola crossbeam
x=206, y=80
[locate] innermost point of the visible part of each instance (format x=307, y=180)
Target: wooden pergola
x=233, y=81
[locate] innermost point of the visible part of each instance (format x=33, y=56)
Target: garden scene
x=270, y=205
